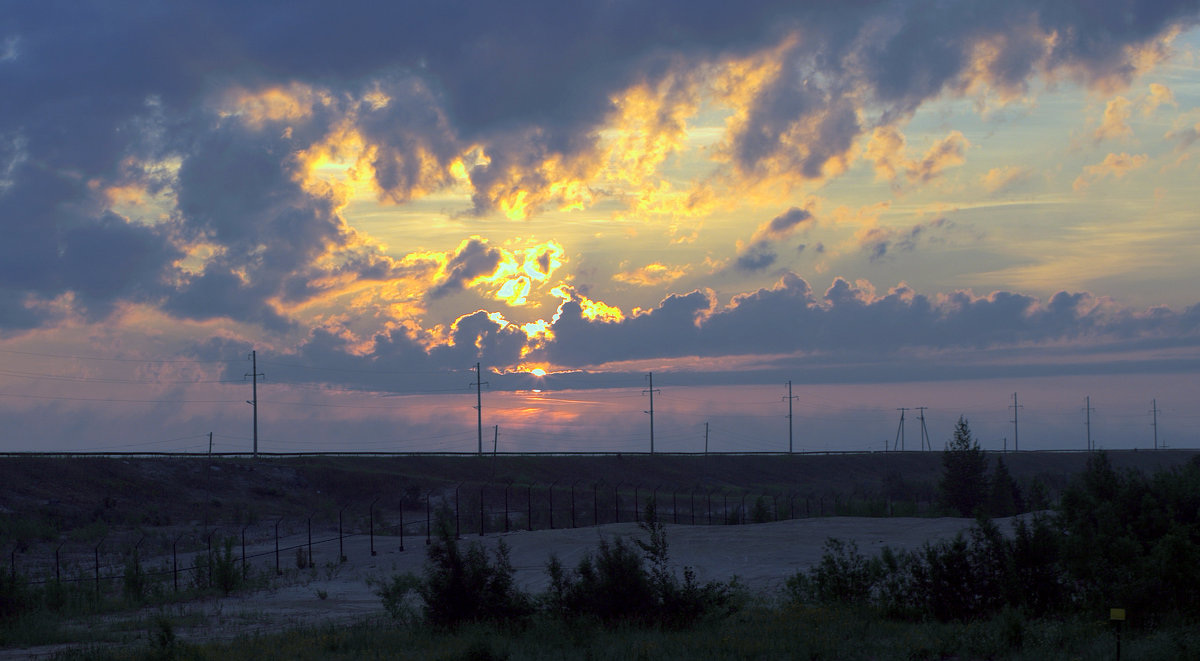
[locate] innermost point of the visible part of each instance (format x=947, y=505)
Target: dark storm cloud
x=92, y=90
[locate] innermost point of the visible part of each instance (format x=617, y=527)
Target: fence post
x=550, y=492
x=637, y=513
x=208, y=540
x=277, y=571
x=428, y=518
x=457, y=525
x=175, y=560
x=775, y=505
x=482, y=514
x=617, y=502
x=96, y=552
x=529, y=506
x=692, y=505
x=12, y=564
x=675, y=505
x=57, y=566
x=742, y=517
x=725, y=507
x=137, y=556
x=573, y=502
x=371, y=518
x=506, y=486
x=708, y=494
x=308, y=561
x=341, y=547
x=595, y=503
x=402, y=523
x=244, y=551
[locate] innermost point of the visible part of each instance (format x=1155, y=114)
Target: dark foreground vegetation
x=1119, y=539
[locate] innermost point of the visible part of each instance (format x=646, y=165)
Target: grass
x=760, y=632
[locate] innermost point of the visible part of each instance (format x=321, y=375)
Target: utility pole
x=495, y=439
x=1016, y=434
x=253, y=401
x=1154, y=411
x=706, y=438
x=479, y=383
x=1087, y=409
x=210, y=444
x=789, y=399
x=651, y=391
x=900, y=430
x=925, y=442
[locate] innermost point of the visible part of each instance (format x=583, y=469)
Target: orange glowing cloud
x=651, y=275
x=1114, y=165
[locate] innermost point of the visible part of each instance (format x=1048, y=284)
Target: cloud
x=784, y=225
x=758, y=256
x=1114, y=165
x=651, y=275
x=850, y=320
x=225, y=123
x=882, y=242
x=1159, y=95
x=1004, y=179
x=1115, y=123
x=887, y=150
x=473, y=260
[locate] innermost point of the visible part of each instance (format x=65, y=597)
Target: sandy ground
x=761, y=556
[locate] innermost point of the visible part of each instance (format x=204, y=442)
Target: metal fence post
x=96, y=552
x=244, y=574
x=482, y=514
x=401, y=524
x=529, y=506
x=371, y=516
x=277, y=571
x=341, y=547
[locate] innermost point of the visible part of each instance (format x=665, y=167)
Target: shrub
x=466, y=587
x=615, y=586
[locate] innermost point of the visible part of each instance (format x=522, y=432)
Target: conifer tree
x=963, y=487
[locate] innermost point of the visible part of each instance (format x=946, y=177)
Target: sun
x=537, y=371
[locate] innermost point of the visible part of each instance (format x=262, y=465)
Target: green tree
x=963, y=487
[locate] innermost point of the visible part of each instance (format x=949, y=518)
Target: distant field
x=72, y=494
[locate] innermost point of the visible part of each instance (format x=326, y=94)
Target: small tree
x=1004, y=498
x=963, y=488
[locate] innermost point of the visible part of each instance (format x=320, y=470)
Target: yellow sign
x=1116, y=614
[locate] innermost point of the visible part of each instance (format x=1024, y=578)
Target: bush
x=466, y=587
x=615, y=586
x=396, y=596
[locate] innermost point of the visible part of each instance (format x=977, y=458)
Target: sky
x=881, y=205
